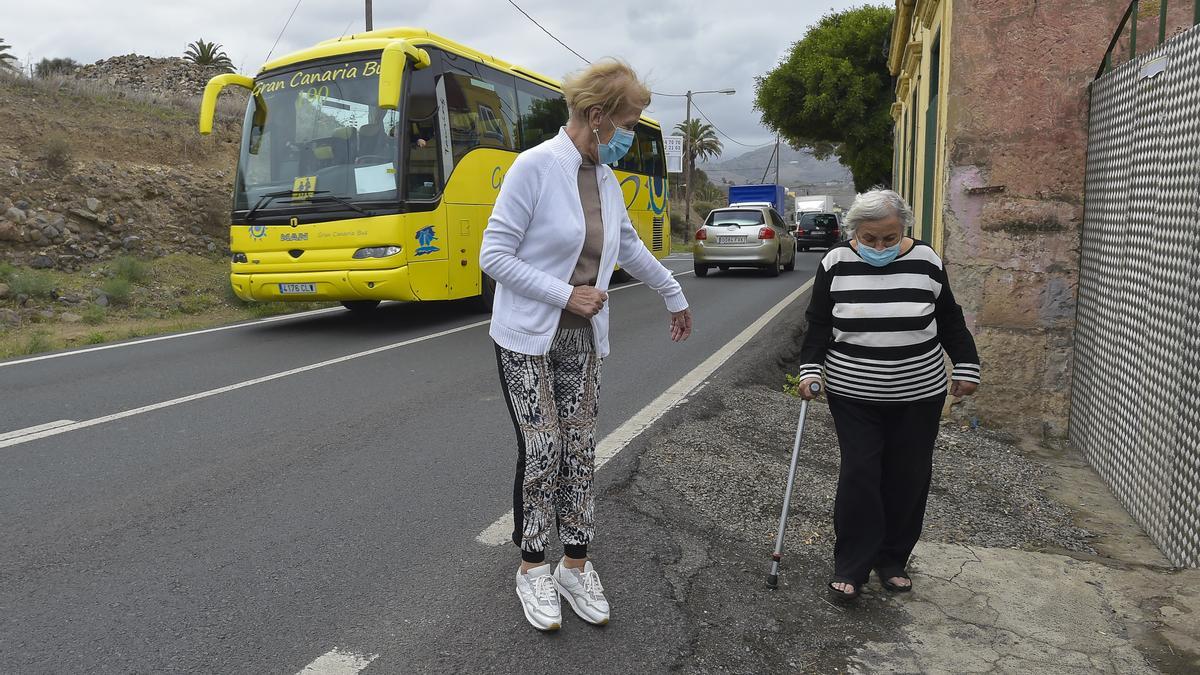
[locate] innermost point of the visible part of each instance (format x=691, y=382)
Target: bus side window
x=419, y=133
x=482, y=113
x=652, y=152
x=631, y=162
x=543, y=112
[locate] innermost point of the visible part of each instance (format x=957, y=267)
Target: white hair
x=877, y=204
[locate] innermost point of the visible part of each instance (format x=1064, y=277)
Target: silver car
x=745, y=235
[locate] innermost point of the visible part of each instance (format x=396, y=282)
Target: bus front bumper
x=386, y=284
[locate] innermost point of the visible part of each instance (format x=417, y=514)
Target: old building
x=991, y=136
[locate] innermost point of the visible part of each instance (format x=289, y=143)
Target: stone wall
x=1017, y=126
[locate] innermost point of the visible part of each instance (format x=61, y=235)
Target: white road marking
x=75, y=426
x=33, y=430
x=132, y=343
x=500, y=531
x=337, y=662
x=88, y=350
x=53, y=429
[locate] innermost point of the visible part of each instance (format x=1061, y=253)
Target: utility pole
x=687, y=186
x=777, y=158
x=369, y=13
x=689, y=169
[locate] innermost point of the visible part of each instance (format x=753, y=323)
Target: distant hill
x=799, y=170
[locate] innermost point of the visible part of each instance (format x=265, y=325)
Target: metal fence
x=1135, y=405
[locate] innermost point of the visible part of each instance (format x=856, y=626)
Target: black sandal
x=843, y=596
x=886, y=576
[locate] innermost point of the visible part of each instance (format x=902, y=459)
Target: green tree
x=51, y=67
x=834, y=88
x=6, y=59
x=204, y=53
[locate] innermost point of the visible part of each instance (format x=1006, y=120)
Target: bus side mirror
x=391, y=70
x=212, y=90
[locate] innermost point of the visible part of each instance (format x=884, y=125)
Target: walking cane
x=773, y=577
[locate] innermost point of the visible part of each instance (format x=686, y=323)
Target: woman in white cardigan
x=558, y=228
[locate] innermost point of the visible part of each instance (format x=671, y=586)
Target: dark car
x=817, y=229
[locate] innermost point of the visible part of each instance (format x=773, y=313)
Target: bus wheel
x=487, y=292
x=360, y=306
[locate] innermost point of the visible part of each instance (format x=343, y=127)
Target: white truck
x=808, y=203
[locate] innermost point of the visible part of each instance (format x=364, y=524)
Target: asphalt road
x=228, y=505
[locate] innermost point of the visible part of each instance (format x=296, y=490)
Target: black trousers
x=887, y=463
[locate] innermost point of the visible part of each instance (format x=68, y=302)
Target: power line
x=731, y=138
x=547, y=32
x=281, y=30
x=769, y=161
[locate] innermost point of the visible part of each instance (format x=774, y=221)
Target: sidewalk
x=1006, y=579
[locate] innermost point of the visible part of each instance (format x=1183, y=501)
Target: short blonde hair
x=610, y=84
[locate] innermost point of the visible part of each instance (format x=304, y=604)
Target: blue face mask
x=878, y=258
x=616, y=147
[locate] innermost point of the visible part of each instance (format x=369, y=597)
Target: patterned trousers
x=553, y=400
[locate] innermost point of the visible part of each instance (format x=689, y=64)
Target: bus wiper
x=264, y=200
x=328, y=195
x=321, y=195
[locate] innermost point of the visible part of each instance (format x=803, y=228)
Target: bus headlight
x=239, y=257
x=376, y=252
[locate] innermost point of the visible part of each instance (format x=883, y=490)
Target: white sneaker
x=539, y=598
x=583, y=592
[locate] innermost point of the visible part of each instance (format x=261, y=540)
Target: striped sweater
x=879, y=332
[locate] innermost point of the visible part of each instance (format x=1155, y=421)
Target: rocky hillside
x=170, y=76
x=111, y=163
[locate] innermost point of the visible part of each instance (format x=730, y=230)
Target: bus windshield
x=318, y=130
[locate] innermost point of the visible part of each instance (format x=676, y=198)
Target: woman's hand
x=806, y=391
x=960, y=388
x=681, y=325
x=586, y=301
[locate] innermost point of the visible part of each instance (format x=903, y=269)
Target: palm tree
x=702, y=143
x=204, y=53
x=6, y=60
x=700, y=138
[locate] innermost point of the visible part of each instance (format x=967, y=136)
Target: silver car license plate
x=289, y=289
x=730, y=239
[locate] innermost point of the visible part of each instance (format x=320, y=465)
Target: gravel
x=731, y=465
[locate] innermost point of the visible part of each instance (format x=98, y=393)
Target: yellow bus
x=369, y=166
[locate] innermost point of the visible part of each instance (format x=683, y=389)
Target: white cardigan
x=533, y=241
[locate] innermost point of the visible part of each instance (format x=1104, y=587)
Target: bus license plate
x=730, y=240
x=289, y=289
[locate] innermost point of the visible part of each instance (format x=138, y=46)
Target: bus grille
x=656, y=238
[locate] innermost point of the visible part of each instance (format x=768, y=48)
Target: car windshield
x=809, y=221
x=735, y=218
x=318, y=129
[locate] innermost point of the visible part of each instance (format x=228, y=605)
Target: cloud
x=676, y=45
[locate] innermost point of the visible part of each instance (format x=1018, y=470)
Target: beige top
x=587, y=268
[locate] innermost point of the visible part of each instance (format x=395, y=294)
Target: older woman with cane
x=558, y=227
x=880, y=318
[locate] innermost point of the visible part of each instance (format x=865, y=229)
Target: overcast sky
x=675, y=44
